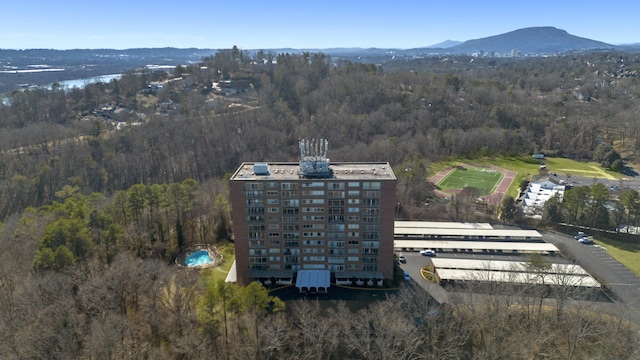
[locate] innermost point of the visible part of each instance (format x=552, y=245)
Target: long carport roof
x=516, y=277
x=475, y=245
x=400, y=231
x=503, y=265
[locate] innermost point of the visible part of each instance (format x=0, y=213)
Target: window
x=312, y=192
x=313, y=184
x=291, y=202
x=272, y=201
x=353, y=226
x=312, y=201
x=353, y=201
x=354, y=193
x=313, y=242
x=289, y=219
x=273, y=234
x=273, y=210
x=272, y=193
x=371, y=185
x=353, y=258
x=336, y=186
x=313, y=234
x=313, y=251
x=336, y=203
x=353, y=209
x=253, y=186
x=354, y=184
x=254, y=193
x=313, y=258
x=353, y=218
x=313, y=226
x=313, y=218
x=313, y=266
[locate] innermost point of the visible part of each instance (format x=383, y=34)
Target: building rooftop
x=292, y=171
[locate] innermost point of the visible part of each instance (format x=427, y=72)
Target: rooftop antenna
x=313, y=158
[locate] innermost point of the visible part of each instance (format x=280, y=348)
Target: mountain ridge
x=532, y=40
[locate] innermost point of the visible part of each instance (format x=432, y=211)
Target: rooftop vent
x=261, y=169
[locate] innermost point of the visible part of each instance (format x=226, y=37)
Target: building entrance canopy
x=313, y=280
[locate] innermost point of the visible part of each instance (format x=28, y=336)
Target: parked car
x=586, y=241
x=427, y=252
x=579, y=235
x=401, y=258
x=407, y=278
x=614, y=188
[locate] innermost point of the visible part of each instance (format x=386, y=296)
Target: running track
x=495, y=198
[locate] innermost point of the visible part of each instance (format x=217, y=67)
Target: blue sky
x=250, y=24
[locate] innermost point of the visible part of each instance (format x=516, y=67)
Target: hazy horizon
x=404, y=24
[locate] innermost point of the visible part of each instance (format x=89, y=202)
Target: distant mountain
x=445, y=44
x=534, y=40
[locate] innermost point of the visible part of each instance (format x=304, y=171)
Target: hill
x=534, y=40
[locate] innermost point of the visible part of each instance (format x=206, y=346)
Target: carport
x=313, y=280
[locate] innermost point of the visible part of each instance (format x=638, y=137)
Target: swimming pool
x=198, y=258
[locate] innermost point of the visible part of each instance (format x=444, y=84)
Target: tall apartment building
x=313, y=216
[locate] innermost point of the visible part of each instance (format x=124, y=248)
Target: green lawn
x=485, y=180
x=627, y=253
x=526, y=166
x=220, y=272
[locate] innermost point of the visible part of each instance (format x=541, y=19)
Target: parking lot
x=624, y=285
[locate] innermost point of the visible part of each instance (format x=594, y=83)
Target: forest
x=103, y=186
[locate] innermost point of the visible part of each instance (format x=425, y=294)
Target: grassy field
x=625, y=252
x=527, y=167
x=220, y=272
x=482, y=179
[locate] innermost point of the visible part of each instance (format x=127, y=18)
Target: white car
x=427, y=252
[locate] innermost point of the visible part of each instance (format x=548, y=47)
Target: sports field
x=485, y=180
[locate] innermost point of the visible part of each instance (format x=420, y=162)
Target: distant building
x=313, y=216
x=231, y=87
x=538, y=193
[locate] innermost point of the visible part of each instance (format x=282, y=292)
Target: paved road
x=414, y=263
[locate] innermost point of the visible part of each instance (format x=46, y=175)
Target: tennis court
x=485, y=180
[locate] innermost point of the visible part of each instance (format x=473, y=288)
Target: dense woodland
x=96, y=204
